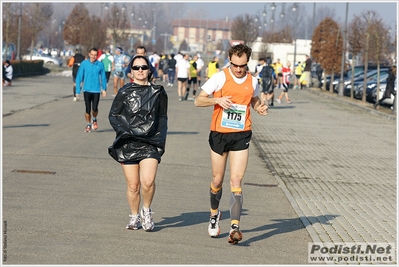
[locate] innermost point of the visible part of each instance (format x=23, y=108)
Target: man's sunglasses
x=143, y=67
x=238, y=66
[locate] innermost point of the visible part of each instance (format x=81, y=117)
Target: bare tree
x=7, y=26
x=74, y=26
x=118, y=24
x=94, y=36
x=39, y=15
x=355, y=35
x=244, y=29
x=283, y=36
x=327, y=48
x=380, y=43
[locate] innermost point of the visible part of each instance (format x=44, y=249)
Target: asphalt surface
x=322, y=169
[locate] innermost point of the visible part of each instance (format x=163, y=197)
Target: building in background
x=200, y=35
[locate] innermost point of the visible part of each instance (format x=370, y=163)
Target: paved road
x=320, y=170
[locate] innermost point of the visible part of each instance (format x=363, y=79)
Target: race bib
x=234, y=117
x=118, y=67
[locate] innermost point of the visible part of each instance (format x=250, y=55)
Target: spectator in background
x=298, y=74
x=171, y=69
x=91, y=74
x=74, y=62
x=306, y=71
x=119, y=66
x=193, y=77
x=154, y=59
x=200, y=66
x=165, y=68
x=183, y=75
x=213, y=67
x=258, y=68
x=107, y=60
x=286, y=83
x=278, y=69
x=7, y=73
x=389, y=89
x=178, y=56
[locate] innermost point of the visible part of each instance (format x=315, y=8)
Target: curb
x=341, y=100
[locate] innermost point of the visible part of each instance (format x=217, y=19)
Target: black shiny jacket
x=139, y=117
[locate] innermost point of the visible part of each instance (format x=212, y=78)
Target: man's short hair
x=142, y=47
x=240, y=50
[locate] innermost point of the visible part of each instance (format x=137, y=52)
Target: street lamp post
x=131, y=30
x=294, y=9
x=165, y=35
x=103, y=6
x=51, y=29
x=19, y=34
x=273, y=7
x=154, y=26
x=341, y=80
x=264, y=14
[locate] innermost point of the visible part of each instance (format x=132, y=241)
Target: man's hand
x=224, y=102
x=262, y=109
x=104, y=93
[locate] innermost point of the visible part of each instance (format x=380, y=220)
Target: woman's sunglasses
x=143, y=67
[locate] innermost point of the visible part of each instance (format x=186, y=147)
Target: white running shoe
x=146, y=220
x=213, y=228
x=134, y=222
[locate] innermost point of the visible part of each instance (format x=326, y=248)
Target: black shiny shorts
x=224, y=142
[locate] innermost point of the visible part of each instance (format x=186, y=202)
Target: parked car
x=358, y=70
x=359, y=83
x=11, y=52
x=46, y=58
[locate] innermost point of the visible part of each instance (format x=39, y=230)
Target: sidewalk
x=320, y=159
x=336, y=161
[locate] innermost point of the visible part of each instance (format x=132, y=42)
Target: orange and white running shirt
x=242, y=90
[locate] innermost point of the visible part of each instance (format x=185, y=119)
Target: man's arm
x=203, y=100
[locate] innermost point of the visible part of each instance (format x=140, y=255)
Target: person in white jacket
x=7, y=73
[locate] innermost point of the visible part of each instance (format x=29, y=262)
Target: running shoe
x=235, y=234
x=146, y=220
x=134, y=222
x=289, y=101
x=213, y=228
x=278, y=101
x=88, y=128
x=95, y=125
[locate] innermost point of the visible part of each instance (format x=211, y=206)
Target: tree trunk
x=352, y=78
x=331, y=83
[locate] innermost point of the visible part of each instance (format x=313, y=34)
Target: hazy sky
x=387, y=10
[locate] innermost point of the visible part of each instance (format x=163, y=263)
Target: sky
x=387, y=10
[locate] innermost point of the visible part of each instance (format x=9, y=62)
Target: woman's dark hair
x=149, y=77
